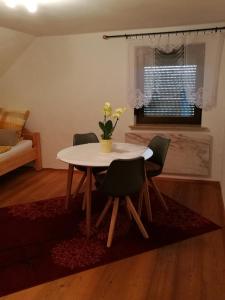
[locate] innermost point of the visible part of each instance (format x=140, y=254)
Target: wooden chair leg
x=84, y=202
x=128, y=211
x=113, y=222
x=69, y=184
x=140, y=199
x=147, y=202
x=84, y=197
x=79, y=185
x=157, y=191
x=136, y=218
x=104, y=212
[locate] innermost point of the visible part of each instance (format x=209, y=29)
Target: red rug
x=41, y=241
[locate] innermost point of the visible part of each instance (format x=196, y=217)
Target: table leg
x=88, y=198
x=69, y=184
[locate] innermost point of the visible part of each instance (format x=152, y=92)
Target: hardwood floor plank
x=193, y=269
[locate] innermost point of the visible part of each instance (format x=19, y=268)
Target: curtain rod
x=216, y=29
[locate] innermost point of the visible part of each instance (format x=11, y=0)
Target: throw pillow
x=4, y=148
x=14, y=119
x=8, y=137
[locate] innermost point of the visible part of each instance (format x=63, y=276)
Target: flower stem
x=115, y=124
x=104, y=124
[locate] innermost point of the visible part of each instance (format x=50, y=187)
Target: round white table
x=90, y=155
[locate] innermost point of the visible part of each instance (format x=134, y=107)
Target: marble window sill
x=169, y=127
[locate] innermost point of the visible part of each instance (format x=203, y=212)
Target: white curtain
x=142, y=53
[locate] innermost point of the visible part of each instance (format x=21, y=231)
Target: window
x=170, y=84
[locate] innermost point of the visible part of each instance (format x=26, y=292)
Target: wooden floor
x=193, y=269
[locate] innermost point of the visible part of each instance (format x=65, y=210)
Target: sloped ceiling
x=59, y=17
x=56, y=17
x=12, y=44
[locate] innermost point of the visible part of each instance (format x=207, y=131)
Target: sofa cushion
x=14, y=119
x=8, y=137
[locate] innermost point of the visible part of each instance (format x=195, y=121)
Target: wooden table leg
x=69, y=184
x=147, y=199
x=88, y=198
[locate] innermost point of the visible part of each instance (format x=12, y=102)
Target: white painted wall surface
x=64, y=82
x=222, y=182
x=12, y=45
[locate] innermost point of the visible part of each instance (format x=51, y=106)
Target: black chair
x=79, y=139
x=154, y=165
x=123, y=178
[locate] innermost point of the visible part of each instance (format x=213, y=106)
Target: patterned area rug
x=41, y=241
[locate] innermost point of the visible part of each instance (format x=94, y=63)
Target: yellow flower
x=107, y=106
x=108, y=125
x=116, y=115
x=118, y=112
x=108, y=112
x=107, y=109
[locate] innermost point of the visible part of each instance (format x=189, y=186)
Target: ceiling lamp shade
x=31, y=5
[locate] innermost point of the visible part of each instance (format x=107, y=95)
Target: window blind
x=170, y=81
x=166, y=87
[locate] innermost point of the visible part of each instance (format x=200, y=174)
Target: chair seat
x=95, y=170
x=152, y=169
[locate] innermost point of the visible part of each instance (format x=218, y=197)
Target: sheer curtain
x=200, y=51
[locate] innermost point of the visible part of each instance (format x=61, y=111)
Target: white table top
x=91, y=155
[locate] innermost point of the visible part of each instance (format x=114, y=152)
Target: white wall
x=222, y=129
x=222, y=182
x=65, y=80
x=215, y=121
x=12, y=45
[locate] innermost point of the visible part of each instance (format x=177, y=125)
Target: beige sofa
x=26, y=147
x=15, y=159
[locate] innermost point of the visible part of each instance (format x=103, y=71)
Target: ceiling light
x=31, y=5
x=11, y=3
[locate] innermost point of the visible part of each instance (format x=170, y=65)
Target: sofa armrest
x=35, y=138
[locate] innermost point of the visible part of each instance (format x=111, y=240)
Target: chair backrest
x=124, y=177
x=85, y=138
x=159, y=146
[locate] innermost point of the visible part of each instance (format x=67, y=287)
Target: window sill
x=171, y=127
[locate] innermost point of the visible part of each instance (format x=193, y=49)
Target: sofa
x=18, y=145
